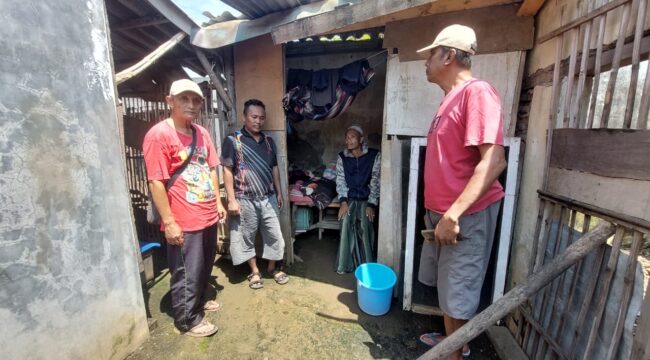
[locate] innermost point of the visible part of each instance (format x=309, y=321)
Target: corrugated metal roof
x=258, y=8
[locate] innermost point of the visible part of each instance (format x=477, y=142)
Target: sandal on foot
x=255, y=284
x=431, y=339
x=279, y=276
x=203, y=329
x=434, y=338
x=211, y=306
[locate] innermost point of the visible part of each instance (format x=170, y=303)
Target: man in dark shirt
x=252, y=180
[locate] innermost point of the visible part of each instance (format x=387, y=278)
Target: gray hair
x=463, y=58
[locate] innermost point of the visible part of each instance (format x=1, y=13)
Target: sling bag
x=153, y=216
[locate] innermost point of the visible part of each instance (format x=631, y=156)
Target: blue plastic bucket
x=375, y=284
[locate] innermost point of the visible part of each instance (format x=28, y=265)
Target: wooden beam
x=339, y=18
x=215, y=79
x=140, y=22
x=134, y=70
x=613, y=153
x=530, y=7
x=626, y=197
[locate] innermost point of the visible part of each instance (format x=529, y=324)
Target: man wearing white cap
x=464, y=159
x=181, y=163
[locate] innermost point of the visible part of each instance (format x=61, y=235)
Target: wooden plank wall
x=498, y=30
x=412, y=100
x=607, y=152
x=592, y=173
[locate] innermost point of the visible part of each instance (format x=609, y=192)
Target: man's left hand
x=279, y=201
x=370, y=213
x=222, y=212
x=447, y=230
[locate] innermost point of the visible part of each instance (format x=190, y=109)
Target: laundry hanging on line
x=324, y=94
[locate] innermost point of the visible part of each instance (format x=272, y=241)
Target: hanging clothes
x=326, y=93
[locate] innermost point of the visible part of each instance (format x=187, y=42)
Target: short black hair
x=253, y=102
x=463, y=58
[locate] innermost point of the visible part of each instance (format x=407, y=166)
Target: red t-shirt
x=470, y=115
x=192, y=197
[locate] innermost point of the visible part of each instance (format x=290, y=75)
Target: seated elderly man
x=357, y=183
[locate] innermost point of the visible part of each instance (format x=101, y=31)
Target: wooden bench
x=324, y=221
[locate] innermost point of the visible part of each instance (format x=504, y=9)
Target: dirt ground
x=314, y=316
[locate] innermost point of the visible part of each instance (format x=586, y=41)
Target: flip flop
x=203, y=329
x=432, y=339
x=211, y=306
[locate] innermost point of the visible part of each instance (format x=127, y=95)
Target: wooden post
x=581, y=248
x=215, y=79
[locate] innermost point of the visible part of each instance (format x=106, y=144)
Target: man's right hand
x=343, y=210
x=174, y=234
x=233, y=207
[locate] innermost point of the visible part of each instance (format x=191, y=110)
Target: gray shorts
x=459, y=270
x=262, y=214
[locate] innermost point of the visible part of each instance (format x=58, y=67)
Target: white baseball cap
x=356, y=128
x=182, y=85
x=456, y=36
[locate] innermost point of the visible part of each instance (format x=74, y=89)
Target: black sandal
x=255, y=284
x=279, y=276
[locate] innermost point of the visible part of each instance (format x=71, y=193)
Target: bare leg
x=452, y=325
x=271, y=265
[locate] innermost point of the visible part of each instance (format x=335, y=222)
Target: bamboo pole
x=520, y=293
x=148, y=60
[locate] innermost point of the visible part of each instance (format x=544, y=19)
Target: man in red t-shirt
x=190, y=208
x=464, y=159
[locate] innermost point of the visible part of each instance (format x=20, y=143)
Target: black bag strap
x=180, y=170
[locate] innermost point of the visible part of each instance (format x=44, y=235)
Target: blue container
x=375, y=284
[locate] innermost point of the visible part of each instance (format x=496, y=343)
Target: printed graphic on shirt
x=197, y=177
